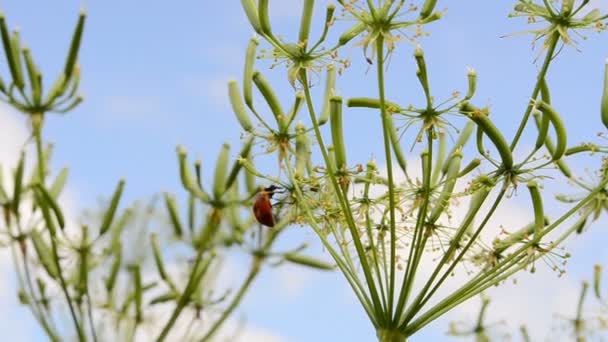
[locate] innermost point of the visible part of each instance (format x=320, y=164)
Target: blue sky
x=154, y=76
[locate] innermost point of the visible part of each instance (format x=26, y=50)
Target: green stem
x=385, y=335
x=349, y=273
x=37, y=123
x=389, y=170
x=498, y=273
x=553, y=40
x=195, y=278
x=345, y=206
x=253, y=272
x=419, y=239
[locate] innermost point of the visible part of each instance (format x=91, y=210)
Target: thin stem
x=63, y=283
x=389, y=170
x=553, y=40
x=193, y=281
x=419, y=239
x=342, y=199
x=253, y=272
x=499, y=272
x=349, y=273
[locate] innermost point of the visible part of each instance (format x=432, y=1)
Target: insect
x=262, y=206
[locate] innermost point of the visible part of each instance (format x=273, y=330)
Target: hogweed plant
x=588, y=321
x=113, y=288
x=392, y=234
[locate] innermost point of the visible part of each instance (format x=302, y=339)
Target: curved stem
x=553, y=40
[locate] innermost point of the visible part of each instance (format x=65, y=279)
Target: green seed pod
x=561, y=164
x=426, y=165
x=57, y=89
x=70, y=62
x=544, y=123
x=83, y=262
x=248, y=71
x=433, y=17
x=15, y=51
x=463, y=138
x=421, y=73
x=394, y=137
x=543, y=131
x=269, y=96
x=221, y=168
x=59, y=183
x=297, y=104
x=604, y=107
x=518, y=236
x=485, y=124
x=305, y=21
x=158, y=260
x=584, y=147
x=337, y=132
x=537, y=204
x=8, y=50
x=198, y=172
x=18, y=185
x=351, y=33
x=472, y=78
x=250, y=176
x=470, y=167
x=307, y=261
x=368, y=102
x=427, y=8
x=329, y=18
x=236, y=166
x=45, y=256
x=477, y=201
x=34, y=76
x=252, y=14
x=48, y=199
x=567, y=6
x=119, y=227
x=186, y=176
x=448, y=187
x=191, y=212
x=109, y=214
x=440, y=159
x=138, y=292
x=558, y=125
x=264, y=17
x=238, y=107
x=597, y=277
x=303, y=151
x=111, y=279
x=171, y=205
x=330, y=91
x=163, y=298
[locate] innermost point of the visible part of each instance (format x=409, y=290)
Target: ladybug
x=262, y=207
